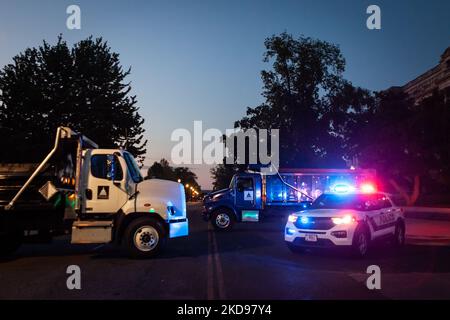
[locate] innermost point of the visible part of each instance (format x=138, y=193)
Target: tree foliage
x=83, y=87
x=223, y=173
x=408, y=144
x=163, y=170
x=325, y=121
x=307, y=98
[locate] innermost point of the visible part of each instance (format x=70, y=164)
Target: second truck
x=252, y=194
x=97, y=195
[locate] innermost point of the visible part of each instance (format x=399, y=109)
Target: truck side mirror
x=114, y=172
x=110, y=170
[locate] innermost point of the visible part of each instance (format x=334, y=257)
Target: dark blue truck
x=252, y=195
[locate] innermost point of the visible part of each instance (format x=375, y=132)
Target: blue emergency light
x=342, y=188
x=304, y=220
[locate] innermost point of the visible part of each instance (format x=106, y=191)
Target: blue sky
x=201, y=60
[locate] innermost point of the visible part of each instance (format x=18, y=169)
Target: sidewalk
x=428, y=213
x=428, y=232
x=427, y=226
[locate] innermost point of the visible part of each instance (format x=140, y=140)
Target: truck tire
x=399, y=234
x=145, y=238
x=222, y=219
x=10, y=243
x=361, y=242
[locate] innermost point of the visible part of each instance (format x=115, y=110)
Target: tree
x=307, y=98
x=82, y=87
x=186, y=176
x=405, y=142
x=163, y=170
x=222, y=174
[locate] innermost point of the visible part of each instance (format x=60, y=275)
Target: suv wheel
x=361, y=242
x=399, y=234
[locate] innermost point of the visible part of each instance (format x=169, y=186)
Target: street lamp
x=179, y=180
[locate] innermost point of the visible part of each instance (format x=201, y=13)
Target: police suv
x=346, y=218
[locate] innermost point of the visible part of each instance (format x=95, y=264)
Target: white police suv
x=346, y=218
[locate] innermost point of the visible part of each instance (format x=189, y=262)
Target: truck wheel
x=10, y=243
x=399, y=234
x=361, y=242
x=222, y=219
x=144, y=238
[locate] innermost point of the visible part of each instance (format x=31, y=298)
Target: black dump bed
x=13, y=176
x=60, y=170
x=31, y=211
x=56, y=179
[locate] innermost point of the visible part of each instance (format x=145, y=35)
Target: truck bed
x=13, y=176
x=31, y=211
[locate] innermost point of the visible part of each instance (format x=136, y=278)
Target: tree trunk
x=416, y=191
x=410, y=200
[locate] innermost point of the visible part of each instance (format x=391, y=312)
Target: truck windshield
x=335, y=201
x=231, y=186
x=135, y=173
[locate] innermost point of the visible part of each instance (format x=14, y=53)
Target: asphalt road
x=251, y=262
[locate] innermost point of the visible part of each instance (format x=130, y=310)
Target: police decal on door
x=248, y=195
x=103, y=192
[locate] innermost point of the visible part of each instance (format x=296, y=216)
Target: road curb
x=427, y=215
x=428, y=240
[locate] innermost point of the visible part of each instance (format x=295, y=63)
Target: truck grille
x=315, y=223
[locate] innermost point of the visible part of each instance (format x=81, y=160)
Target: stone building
x=435, y=79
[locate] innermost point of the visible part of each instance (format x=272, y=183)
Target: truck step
x=92, y=231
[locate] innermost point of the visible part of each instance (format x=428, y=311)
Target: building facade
x=435, y=79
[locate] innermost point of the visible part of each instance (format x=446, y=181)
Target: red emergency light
x=368, y=188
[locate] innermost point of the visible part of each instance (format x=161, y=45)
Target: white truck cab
x=108, y=199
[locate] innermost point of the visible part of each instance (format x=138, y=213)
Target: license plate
x=311, y=237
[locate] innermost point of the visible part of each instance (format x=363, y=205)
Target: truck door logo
x=102, y=192
x=248, y=195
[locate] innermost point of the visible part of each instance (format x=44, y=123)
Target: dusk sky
x=201, y=60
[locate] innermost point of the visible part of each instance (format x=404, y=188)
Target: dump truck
x=96, y=195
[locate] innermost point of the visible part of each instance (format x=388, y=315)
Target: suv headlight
x=343, y=220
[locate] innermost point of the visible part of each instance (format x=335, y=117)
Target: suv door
x=381, y=215
x=372, y=208
x=387, y=216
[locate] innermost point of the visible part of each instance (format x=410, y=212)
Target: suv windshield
x=135, y=173
x=352, y=201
